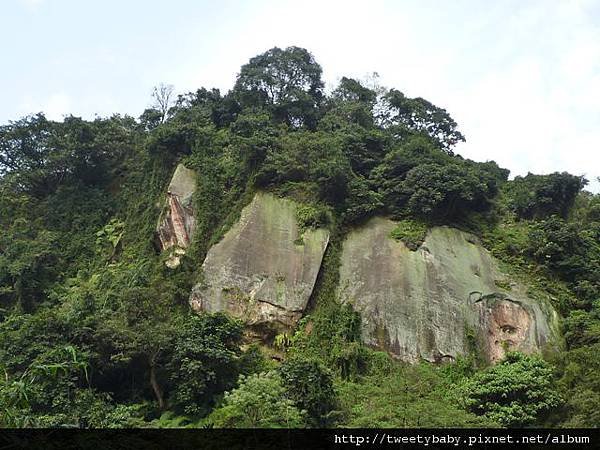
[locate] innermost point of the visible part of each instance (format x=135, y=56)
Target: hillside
x=328, y=251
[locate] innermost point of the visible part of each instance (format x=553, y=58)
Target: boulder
x=440, y=301
x=265, y=267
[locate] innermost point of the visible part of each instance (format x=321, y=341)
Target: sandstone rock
x=177, y=223
x=421, y=304
x=263, y=270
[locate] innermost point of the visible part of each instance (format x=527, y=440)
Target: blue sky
x=522, y=77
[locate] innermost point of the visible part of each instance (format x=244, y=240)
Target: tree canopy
x=286, y=82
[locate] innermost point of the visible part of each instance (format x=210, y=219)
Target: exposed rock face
x=263, y=270
x=421, y=304
x=505, y=323
x=177, y=223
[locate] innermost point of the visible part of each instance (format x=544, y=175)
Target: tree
x=26, y=154
x=351, y=90
x=316, y=159
x=570, y=250
x=419, y=115
x=150, y=119
x=582, y=327
x=540, y=196
x=579, y=380
x=162, y=95
x=221, y=109
x=420, y=179
x=444, y=192
x=362, y=201
x=38, y=155
x=349, y=103
x=515, y=392
x=310, y=386
x=285, y=82
x=28, y=261
x=204, y=362
x=258, y=402
x=392, y=395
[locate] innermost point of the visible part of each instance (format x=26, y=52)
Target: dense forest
x=95, y=330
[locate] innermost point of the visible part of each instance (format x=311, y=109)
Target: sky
x=521, y=77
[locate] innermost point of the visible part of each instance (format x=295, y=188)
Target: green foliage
x=310, y=387
x=312, y=216
x=96, y=332
x=258, y=402
x=169, y=419
x=393, y=395
x=540, y=196
x=579, y=382
x=285, y=82
x=362, y=202
x=205, y=361
x=331, y=332
x=582, y=328
x=448, y=191
x=417, y=114
x=49, y=384
x=350, y=104
x=37, y=155
x=508, y=241
x=515, y=392
x=411, y=232
x=306, y=157
x=109, y=237
x=222, y=110
x=417, y=178
x=27, y=263
x=571, y=251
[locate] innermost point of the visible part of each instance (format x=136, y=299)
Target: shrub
x=515, y=392
x=258, y=402
x=310, y=386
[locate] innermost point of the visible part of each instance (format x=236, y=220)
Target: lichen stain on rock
x=258, y=272
x=177, y=223
x=417, y=304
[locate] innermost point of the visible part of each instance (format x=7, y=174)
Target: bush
x=258, y=402
x=308, y=157
x=540, y=196
x=515, y=392
x=204, y=362
x=310, y=386
x=395, y=395
x=579, y=380
x=411, y=232
x=419, y=179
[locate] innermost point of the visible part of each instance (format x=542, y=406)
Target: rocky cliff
x=264, y=269
x=445, y=299
x=177, y=223
x=439, y=301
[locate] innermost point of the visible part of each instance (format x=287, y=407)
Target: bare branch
x=162, y=99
